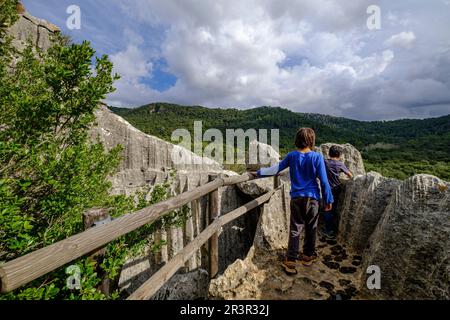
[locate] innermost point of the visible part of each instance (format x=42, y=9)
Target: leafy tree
x=50, y=172
x=51, y=168
x=8, y=14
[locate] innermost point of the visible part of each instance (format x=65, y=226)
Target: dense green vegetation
x=394, y=148
x=51, y=171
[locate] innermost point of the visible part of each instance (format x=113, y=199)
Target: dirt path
x=260, y=276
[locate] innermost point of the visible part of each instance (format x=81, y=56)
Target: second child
x=334, y=168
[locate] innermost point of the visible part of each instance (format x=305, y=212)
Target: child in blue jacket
x=305, y=167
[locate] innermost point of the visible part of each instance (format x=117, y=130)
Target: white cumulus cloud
x=404, y=39
x=305, y=55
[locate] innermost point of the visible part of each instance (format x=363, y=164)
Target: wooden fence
x=25, y=269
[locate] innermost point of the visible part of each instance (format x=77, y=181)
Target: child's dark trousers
x=331, y=218
x=304, y=215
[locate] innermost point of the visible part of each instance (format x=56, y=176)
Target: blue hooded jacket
x=304, y=168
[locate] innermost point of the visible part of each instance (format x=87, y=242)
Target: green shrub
x=50, y=171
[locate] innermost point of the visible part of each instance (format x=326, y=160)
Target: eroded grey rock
x=263, y=156
x=262, y=153
x=147, y=159
x=350, y=156
x=31, y=29
x=241, y=280
x=361, y=206
x=411, y=243
x=192, y=285
x=273, y=227
x=256, y=188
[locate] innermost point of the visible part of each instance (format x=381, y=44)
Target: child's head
x=305, y=138
x=335, y=152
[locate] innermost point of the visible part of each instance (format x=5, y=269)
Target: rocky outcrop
x=147, y=160
x=361, y=207
x=256, y=188
x=236, y=238
x=241, y=280
x=273, y=225
x=350, y=156
x=185, y=286
x=411, y=243
x=261, y=154
x=28, y=28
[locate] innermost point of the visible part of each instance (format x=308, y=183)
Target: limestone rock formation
x=263, y=155
x=411, y=243
x=147, y=159
x=361, y=206
x=235, y=238
x=241, y=280
x=350, y=155
x=256, y=188
x=29, y=28
x=273, y=225
x=259, y=276
x=185, y=286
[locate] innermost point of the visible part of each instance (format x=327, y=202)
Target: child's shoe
x=309, y=260
x=289, y=267
x=330, y=235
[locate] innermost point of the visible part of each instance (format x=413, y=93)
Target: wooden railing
x=25, y=269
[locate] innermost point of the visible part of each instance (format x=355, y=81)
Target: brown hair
x=305, y=138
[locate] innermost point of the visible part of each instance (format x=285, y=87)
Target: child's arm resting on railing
x=274, y=170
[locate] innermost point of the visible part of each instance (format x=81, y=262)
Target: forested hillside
x=398, y=148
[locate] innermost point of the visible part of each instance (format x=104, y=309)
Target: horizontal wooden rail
x=151, y=286
x=25, y=269
x=229, y=181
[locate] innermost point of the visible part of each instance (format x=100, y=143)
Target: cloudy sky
x=305, y=55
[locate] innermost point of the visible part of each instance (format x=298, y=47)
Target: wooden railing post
x=214, y=209
x=276, y=182
x=92, y=218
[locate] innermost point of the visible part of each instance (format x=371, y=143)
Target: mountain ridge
x=397, y=148
x=310, y=114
